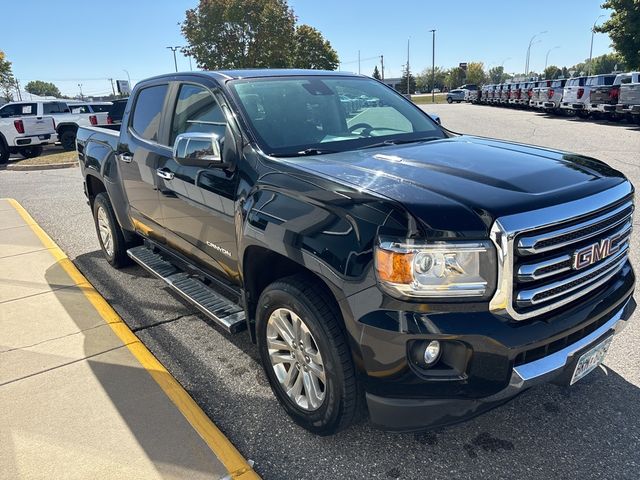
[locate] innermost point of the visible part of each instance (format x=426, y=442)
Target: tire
x=31, y=152
x=300, y=298
x=449, y=100
x=68, y=139
x=4, y=153
x=110, y=235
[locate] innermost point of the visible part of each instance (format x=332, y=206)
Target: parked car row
x=607, y=94
x=67, y=116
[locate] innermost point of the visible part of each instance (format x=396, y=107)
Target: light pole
x=174, y=49
x=546, y=58
x=526, y=65
x=408, y=71
x=593, y=31
x=81, y=95
x=128, y=77
x=433, y=66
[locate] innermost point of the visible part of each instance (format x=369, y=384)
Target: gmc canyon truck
x=378, y=260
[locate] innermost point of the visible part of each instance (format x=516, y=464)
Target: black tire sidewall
x=325, y=418
x=4, y=153
x=119, y=257
x=67, y=139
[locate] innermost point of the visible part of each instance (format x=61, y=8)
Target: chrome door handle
x=165, y=173
x=125, y=157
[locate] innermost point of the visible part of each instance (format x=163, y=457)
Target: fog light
x=432, y=352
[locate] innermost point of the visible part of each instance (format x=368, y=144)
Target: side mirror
x=197, y=149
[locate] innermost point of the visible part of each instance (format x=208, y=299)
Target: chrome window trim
x=505, y=229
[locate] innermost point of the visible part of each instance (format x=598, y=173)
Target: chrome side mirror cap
x=197, y=149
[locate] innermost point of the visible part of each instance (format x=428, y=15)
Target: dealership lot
x=590, y=430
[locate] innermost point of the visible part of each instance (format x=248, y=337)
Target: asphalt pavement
x=590, y=430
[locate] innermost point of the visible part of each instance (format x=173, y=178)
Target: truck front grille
x=550, y=265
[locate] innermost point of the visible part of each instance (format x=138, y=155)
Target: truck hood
x=459, y=186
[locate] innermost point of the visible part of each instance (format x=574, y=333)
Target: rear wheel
x=68, y=139
x=31, y=152
x=305, y=355
x=4, y=153
x=110, y=235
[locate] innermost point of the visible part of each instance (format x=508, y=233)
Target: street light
x=174, y=49
x=546, y=58
x=128, y=77
x=433, y=66
x=593, y=31
x=81, y=95
x=526, y=67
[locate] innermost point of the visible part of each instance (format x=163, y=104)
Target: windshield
x=299, y=115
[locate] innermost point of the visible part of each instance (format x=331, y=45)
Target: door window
x=197, y=111
x=147, y=112
x=54, y=107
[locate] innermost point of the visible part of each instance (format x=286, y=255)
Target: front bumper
x=407, y=414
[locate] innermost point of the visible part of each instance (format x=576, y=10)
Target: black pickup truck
x=379, y=261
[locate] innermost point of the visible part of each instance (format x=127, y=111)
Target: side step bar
x=218, y=308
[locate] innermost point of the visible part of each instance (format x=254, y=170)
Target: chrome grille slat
x=527, y=298
x=554, y=266
x=528, y=245
x=552, y=257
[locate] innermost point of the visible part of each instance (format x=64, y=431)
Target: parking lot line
x=234, y=462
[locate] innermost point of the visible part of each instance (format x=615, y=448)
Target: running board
x=221, y=310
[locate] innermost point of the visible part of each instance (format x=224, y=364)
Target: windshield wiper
x=306, y=151
x=397, y=142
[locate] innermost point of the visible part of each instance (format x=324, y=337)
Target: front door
x=139, y=153
x=198, y=204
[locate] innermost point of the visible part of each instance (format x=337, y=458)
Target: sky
x=71, y=42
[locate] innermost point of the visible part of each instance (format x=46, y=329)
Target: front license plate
x=590, y=360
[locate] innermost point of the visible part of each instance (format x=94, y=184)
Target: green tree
x=624, y=29
x=7, y=82
x=455, y=77
x=475, y=73
x=376, y=73
x=425, y=79
x=552, y=72
x=240, y=33
x=38, y=87
x=312, y=50
x=402, y=86
x=607, y=63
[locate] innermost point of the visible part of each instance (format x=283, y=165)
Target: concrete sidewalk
x=80, y=395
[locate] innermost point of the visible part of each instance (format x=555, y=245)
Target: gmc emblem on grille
x=594, y=253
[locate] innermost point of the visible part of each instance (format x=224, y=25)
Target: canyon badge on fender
x=595, y=252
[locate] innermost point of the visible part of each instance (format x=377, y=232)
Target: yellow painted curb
x=233, y=461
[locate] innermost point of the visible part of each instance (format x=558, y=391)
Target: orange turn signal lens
x=394, y=267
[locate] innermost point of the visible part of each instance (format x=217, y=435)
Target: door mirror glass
x=197, y=149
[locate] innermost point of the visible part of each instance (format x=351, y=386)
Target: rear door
x=198, y=203
x=142, y=148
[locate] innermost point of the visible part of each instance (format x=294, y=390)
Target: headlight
x=436, y=269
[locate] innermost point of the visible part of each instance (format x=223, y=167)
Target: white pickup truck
x=66, y=121
x=25, y=134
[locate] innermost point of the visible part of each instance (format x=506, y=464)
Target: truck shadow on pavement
x=589, y=430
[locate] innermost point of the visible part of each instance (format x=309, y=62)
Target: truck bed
x=105, y=134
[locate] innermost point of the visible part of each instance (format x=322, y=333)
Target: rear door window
x=19, y=109
x=99, y=108
x=147, y=112
x=51, y=108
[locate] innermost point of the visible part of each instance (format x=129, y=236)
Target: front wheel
x=449, y=100
x=305, y=355
x=110, y=235
x=31, y=152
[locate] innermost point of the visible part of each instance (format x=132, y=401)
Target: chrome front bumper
x=547, y=368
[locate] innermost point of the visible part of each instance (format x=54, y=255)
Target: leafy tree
x=475, y=73
x=376, y=73
x=312, y=50
x=424, y=80
x=455, y=77
x=497, y=75
x=624, y=29
x=402, y=86
x=552, y=72
x=239, y=33
x=38, y=87
x=7, y=82
x=253, y=34
x=607, y=63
